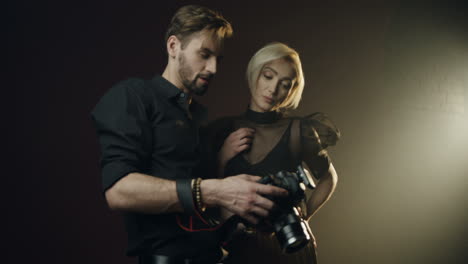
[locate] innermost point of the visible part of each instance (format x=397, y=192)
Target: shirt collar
x=199, y=112
x=171, y=92
x=166, y=88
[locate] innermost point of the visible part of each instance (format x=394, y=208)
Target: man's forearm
x=143, y=193
x=241, y=195
x=323, y=191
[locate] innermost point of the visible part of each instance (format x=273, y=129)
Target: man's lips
x=205, y=80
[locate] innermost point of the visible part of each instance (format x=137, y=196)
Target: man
x=148, y=132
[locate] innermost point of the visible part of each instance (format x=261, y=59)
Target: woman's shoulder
x=319, y=126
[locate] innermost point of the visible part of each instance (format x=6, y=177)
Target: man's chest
x=175, y=134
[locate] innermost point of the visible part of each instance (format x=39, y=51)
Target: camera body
x=292, y=231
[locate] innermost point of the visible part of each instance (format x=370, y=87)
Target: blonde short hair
x=271, y=52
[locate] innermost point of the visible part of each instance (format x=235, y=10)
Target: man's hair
x=192, y=19
x=271, y=52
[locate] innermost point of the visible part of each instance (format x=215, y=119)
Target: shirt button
x=182, y=95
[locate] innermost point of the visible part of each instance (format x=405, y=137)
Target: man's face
x=197, y=62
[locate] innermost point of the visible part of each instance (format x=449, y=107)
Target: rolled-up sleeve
x=123, y=132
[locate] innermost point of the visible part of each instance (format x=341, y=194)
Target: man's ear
x=173, y=46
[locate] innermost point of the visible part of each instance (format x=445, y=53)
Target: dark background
x=391, y=74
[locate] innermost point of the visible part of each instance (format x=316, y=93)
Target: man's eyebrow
x=210, y=52
x=207, y=50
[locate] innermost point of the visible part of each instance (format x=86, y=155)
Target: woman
x=264, y=141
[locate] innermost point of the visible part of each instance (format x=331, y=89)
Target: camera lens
x=291, y=232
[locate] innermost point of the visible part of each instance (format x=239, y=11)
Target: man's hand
x=241, y=195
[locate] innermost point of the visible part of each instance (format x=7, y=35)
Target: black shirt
x=270, y=152
x=148, y=126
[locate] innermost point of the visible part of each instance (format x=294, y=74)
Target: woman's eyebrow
x=271, y=69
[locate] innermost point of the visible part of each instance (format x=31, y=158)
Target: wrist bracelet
x=184, y=189
x=197, y=193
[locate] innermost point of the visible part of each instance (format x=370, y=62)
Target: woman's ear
x=173, y=46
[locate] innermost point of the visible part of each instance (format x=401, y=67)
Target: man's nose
x=211, y=65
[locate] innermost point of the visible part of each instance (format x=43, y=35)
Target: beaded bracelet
x=197, y=193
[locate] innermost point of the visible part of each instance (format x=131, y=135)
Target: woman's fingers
x=240, y=140
x=243, y=144
x=243, y=147
x=242, y=133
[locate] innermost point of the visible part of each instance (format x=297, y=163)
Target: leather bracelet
x=185, y=194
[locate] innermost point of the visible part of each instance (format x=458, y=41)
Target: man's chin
x=201, y=90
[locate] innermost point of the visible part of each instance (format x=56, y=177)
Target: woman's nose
x=273, y=88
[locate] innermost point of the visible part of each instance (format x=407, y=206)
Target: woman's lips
x=269, y=100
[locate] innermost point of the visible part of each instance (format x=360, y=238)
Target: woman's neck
x=262, y=117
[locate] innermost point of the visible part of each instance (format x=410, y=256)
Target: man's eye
x=204, y=55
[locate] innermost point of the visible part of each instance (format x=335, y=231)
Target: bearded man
x=148, y=131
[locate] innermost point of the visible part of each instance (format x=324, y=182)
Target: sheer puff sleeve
x=317, y=133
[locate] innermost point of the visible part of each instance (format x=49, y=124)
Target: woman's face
x=274, y=84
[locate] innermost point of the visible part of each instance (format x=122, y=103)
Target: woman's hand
x=234, y=144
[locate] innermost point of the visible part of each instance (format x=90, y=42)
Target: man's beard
x=191, y=85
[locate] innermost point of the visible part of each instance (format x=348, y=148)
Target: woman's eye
x=286, y=86
x=268, y=76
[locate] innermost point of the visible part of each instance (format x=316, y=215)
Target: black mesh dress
x=271, y=152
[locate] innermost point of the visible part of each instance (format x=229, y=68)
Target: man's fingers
x=250, y=218
x=259, y=211
x=251, y=178
x=264, y=203
x=264, y=189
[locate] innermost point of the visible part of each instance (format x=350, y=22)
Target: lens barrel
x=291, y=231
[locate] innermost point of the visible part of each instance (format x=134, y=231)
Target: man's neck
x=172, y=77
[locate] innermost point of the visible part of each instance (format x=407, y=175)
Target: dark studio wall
x=393, y=75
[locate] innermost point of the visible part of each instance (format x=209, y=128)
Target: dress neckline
x=262, y=118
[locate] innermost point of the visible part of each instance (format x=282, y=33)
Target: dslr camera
x=291, y=230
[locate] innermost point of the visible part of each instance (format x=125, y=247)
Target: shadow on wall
x=403, y=158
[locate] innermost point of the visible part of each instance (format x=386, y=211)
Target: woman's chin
x=263, y=108
x=266, y=109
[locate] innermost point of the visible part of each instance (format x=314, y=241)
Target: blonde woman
x=264, y=141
